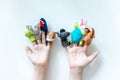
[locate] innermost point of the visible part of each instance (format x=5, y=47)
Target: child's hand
x=39, y=56
x=78, y=58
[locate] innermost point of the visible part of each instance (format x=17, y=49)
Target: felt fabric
x=63, y=36
x=44, y=26
x=76, y=35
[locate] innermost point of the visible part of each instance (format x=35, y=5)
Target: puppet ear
x=28, y=26
x=93, y=31
x=83, y=23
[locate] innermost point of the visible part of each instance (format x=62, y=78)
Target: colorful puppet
x=63, y=36
x=50, y=37
x=43, y=25
x=85, y=31
x=36, y=31
x=88, y=37
x=87, y=34
x=83, y=27
x=76, y=34
x=30, y=35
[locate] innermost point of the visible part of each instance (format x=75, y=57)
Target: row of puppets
x=81, y=34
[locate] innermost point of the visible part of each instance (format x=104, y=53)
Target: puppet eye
x=50, y=36
x=47, y=36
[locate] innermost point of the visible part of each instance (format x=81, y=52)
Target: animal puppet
x=36, y=31
x=50, y=37
x=88, y=37
x=43, y=25
x=86, y=31
x=76, y=34
x=63, y=36
x=30, y=35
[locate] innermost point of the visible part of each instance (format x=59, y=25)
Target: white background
x=103, y=15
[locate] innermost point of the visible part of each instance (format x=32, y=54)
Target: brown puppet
x=50, y=37
x=88, y=37
x=88, y=34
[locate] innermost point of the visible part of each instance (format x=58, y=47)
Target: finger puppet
x=63, y=36
x=30, y=35
x=85, y=31
x=36, y=31
x=43, y=25
x=76, y=34
x=50, y=37
x=83, y=24
x=88, y=37
x=84, y=27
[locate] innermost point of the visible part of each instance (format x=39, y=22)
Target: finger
x=34, y=43
x=28, y=50
x=68, y=47
x=48, y=47
x=75, y=45
x=85, y=47
x=93, y=56
x=39, y=41
x=43, y=38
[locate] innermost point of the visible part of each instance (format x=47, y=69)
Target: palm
x=78, y=57
x=40, y=55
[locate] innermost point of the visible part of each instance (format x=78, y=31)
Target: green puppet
x=30, y=35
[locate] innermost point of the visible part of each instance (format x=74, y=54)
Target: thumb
x=93, y=56
x=28, y=50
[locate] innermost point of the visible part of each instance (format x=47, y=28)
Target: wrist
x=76, y=70
x=39, y=73
x=40, y=69
x=76, y=74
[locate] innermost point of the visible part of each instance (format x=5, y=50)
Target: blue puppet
x=43, y=25
x=76, y=34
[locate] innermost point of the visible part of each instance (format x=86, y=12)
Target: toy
x=83, y=27
x=30, y=35
x=63, y=36
x=36, y=31
x=43, y=25
x=86, y=31
x=83, y=24
x=50, y=37
x=76, y=34
x=88, y=37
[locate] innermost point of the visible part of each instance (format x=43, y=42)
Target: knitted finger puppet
x=43, y=25
x=30, y=35
x=36, y=31
x=63, y=36
x=50, y=37
x=76, y=34
x=85, y=31
x=88, y=38
x=87, y=34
